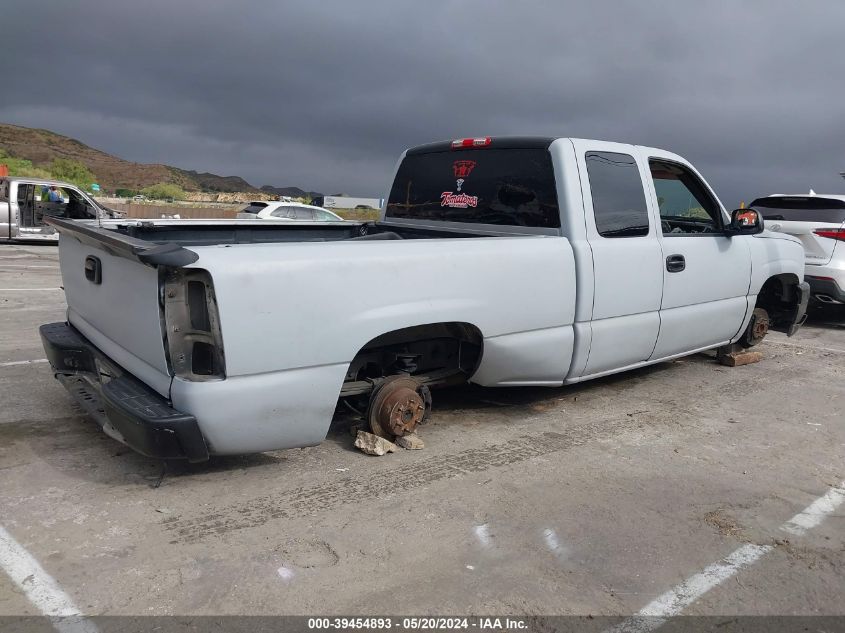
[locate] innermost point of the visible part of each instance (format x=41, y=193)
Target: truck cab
x=26, y=202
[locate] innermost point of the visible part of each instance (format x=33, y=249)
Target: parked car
x=818, y=220
x=284, y=210
x=25, y=203
x=503, y=262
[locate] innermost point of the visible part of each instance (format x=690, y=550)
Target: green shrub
x=361, y=215
x=163, y=191
x=72, y=171
x=22, y=167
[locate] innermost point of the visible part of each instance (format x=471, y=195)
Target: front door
x=627, y=260
x=705, y=273
x=39, y=201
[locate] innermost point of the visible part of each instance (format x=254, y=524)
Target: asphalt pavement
x=594, y=499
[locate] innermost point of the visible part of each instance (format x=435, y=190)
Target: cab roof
x=499, y=142
x=38, y=181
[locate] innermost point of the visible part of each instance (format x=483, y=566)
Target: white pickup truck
x=26, y=204
x=505, y=261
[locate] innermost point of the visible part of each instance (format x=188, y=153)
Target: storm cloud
x=325, y=95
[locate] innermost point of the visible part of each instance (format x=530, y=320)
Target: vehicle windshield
x=514, y=187
x=801, y=208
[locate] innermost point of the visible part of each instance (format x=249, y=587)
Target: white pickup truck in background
x=504, y=262
x=25, y=204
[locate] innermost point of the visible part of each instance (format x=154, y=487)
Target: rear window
x=513, y=187
x=619, y=203
x=801, y=209
x=254, y=207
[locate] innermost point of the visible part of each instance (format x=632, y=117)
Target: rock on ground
x=373, y=444
x=411, y=442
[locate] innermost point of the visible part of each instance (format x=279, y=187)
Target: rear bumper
x=124, y=407
x=826, y=287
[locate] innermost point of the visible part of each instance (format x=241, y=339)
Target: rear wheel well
x=434, y=353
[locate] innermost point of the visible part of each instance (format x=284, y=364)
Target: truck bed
x=257, y=339
x=160, y=242
x=210, y=232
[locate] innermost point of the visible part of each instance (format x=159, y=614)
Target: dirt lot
x=588, y=500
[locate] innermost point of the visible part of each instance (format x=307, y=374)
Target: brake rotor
x=758, y=328
x=398, y=406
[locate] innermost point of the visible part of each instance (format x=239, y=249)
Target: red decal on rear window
x=462, y=168
x=458, y=200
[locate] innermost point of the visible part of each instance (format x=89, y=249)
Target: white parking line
x=28, y=289
x=816, y=512
x=674, y=601
x=41, y=589
x=13, y=363
x=2, y=265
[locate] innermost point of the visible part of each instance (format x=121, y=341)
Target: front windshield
x=79, y=207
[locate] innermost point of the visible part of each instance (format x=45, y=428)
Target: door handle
x=93, y=270
x=675, y=263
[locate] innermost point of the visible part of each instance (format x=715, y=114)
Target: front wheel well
x=434, y=353
x=780, y=298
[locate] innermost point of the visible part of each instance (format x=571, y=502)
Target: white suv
x=286, y=210
x=819, y=222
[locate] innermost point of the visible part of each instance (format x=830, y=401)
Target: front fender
x=773, y=256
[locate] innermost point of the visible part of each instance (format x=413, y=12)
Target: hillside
x=213, y=182
x=42, y=146
x=292, y=192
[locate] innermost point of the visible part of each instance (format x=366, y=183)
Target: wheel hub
x=401, y=411
x=397, y=406
x=761, y=324
x=761, y=328
x=758, y=328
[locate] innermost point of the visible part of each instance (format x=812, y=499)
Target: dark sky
x=326, y=94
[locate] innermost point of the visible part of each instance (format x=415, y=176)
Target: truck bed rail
x=121, y=245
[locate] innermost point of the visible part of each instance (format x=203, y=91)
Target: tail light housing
x=834, y=234
x=192, y=325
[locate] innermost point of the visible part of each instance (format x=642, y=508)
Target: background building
x=347, y=202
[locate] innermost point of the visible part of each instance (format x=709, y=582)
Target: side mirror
x=745, y=222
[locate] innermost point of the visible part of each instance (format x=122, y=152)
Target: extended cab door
x=627, y=258
x=706, y=274
x=32, y=207
x=5, y=210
